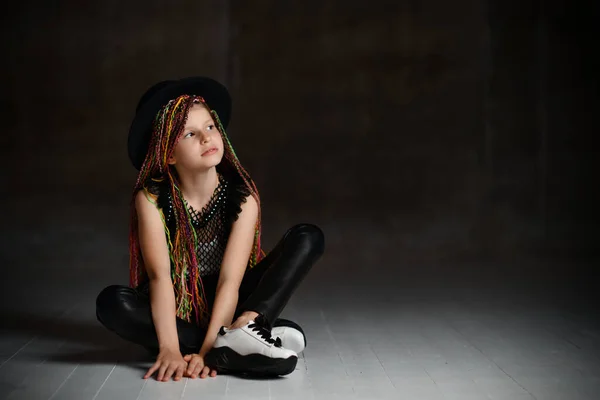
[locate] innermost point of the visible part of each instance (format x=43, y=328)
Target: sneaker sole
x=226, y=361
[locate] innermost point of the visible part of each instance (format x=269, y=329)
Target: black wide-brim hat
x=215, y=94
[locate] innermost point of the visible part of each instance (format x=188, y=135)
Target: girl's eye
x=210, y=127
x=189, y=134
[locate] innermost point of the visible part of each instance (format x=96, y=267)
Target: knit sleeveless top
x=213, y=223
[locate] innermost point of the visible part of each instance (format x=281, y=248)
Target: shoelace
x=265, y=334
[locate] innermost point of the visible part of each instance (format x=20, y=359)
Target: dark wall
x=446, y=128
x=372, y=115
x=427, y=130
x=541, y=100
x=75, y=71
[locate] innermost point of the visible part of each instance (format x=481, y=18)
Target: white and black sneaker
x=250, y=350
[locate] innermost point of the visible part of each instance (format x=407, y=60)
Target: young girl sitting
x=203, y=295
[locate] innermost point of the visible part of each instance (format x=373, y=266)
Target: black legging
x=266, y=289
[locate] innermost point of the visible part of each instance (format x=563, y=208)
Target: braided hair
x=190, y=298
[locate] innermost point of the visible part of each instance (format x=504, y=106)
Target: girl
x=203, y=295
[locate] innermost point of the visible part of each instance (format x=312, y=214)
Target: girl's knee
x=310, y=234
x=109, y=302
x=109, y=295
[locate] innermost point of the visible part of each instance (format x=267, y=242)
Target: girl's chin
x=201, y=167
x=207, y=163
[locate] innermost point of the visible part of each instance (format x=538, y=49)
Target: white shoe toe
x=291, y=338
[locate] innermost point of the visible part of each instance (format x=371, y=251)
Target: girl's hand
x=197, y=367
x=168, y=363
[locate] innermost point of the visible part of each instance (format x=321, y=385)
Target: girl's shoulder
x=155, y=185
x=237, y=186
x=237, y=194
x=159, y=191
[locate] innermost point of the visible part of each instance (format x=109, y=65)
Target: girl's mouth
x=210, y=151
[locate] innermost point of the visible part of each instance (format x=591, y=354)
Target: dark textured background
x=451, y=141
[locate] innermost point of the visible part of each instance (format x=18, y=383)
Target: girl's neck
x=198, y=187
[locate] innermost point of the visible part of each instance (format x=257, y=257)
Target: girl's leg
x=266, y=289
x=268, y=286
x=126, y=311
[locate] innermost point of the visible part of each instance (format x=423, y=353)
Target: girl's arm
x=153, y=244
x=235, y=261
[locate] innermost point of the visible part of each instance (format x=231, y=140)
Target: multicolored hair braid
x=168, y=125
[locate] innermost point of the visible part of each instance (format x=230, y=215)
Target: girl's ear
x=171, y=160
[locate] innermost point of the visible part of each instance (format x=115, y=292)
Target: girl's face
x=200, y=146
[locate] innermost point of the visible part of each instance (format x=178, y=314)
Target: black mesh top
x=213, y=223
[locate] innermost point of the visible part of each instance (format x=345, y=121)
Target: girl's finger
x=205, y=371
x=179, y=373
x=190, y=367
x=161, y=372
x=213, y=373
x=170, y=371
x=152, y=369
x=197, y=370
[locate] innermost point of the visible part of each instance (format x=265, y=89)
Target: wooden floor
x=367, y=339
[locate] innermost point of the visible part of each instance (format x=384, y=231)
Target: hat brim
x=215, y=94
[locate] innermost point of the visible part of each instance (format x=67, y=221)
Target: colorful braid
x=182, y=244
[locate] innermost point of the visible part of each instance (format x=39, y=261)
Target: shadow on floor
x=123, y=355
x=94, y=343
x=33, y=324
x=83, y=342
